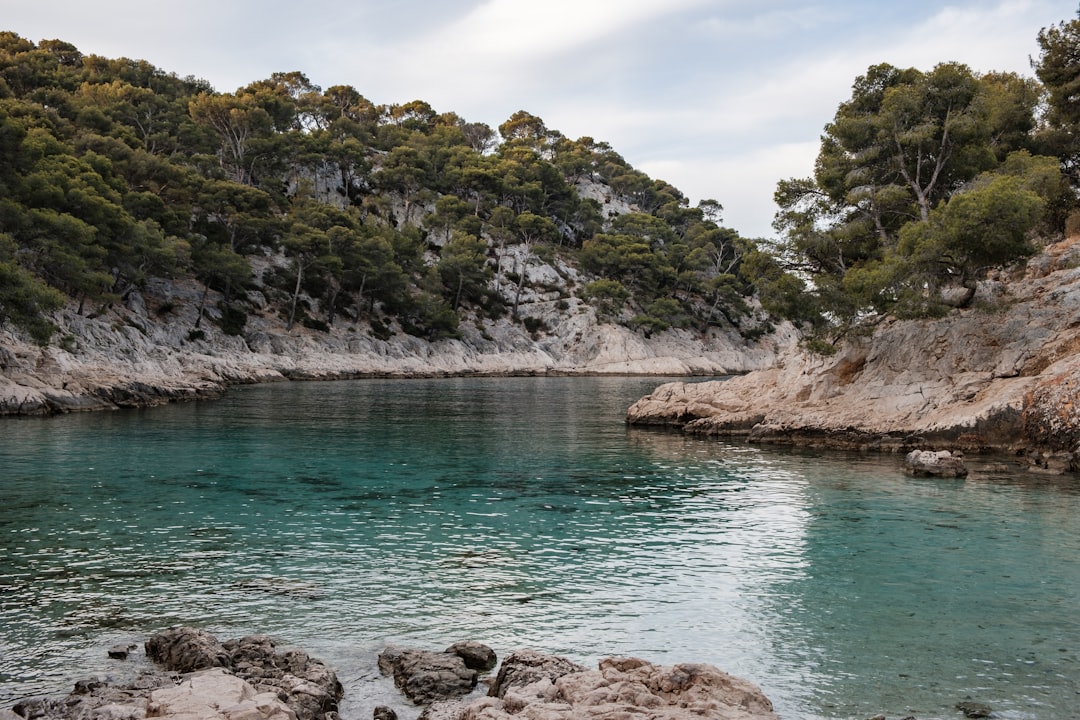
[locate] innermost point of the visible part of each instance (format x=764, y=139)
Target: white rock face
x=215, y=694
x=146, y=353
x=1002, y=374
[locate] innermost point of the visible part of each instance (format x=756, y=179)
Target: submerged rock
x=973, y=709
x=121, y=652
x=927, y=463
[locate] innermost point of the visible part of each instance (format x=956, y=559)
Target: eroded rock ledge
x=249, y=679
x=1000, y=376
x=148, y=351
x=619, y=688
x=204, y=679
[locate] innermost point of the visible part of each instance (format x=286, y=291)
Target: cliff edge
x=999, y=376
x=152, y=349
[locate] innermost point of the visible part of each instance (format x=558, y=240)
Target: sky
x=720, y=98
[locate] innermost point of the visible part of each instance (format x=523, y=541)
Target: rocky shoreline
x=999, y=377
x=199, y=678
x=152, y=349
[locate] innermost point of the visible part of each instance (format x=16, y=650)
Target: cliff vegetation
x=324, y=208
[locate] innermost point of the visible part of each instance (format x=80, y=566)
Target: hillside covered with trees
x=323, y=208
x=326, y=208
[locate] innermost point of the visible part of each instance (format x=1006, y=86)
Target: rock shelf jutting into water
x=249, y=679
x=1000, y=376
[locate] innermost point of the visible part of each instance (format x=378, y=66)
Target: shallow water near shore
x=521, y=512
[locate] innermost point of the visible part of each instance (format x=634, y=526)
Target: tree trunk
x=202, y=306
x=360, y=297
x=520, y=285
x=296, y=295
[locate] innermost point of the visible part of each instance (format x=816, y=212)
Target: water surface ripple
x=521, y=512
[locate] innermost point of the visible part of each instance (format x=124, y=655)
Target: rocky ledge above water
x=1001, y=376
x=250, y=679
x=152, y=349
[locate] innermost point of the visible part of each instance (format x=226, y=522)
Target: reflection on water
x=523, y=513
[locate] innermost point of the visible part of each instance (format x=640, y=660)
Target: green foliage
x=608, y=296
x=233, y=319
x=983, y=227
x=660, y=315
x=113, y=172
x=534, y=325
x=924, y=181
x=463, y=268
x=818, y=346
x=24, y=299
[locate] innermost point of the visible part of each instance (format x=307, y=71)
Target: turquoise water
x=521, y=512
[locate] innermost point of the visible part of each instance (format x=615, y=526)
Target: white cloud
x=742, y=182
x=510, y=30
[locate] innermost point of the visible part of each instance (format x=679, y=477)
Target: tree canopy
x=401, y=218
x=924, y=180
x=387, y=217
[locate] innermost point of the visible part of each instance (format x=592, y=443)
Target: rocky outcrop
x=215, y=693
x=245, y=679
x=186, y=649
x=927, y=463
x=211, y=694
x=426, y=677
x=539, y=687
x=476, y=656
x=527, y=667
x=250, y=679
x=148, y=351
x=1001, y=375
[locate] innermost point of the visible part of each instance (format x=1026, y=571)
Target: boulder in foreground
x=533, y=686
x=927, y=463
x=426, y=677
x=245, y=679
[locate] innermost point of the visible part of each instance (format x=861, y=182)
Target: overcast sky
x=721, y=98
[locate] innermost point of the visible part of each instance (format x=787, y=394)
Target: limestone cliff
x=144, y=352
x=1001, y=375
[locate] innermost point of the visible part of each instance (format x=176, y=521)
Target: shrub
x=315, y=324
x=233, y=320
x=534, y=325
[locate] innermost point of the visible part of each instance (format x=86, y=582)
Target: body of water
x=521, y=512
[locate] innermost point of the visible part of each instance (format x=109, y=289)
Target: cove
x=522, y=512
